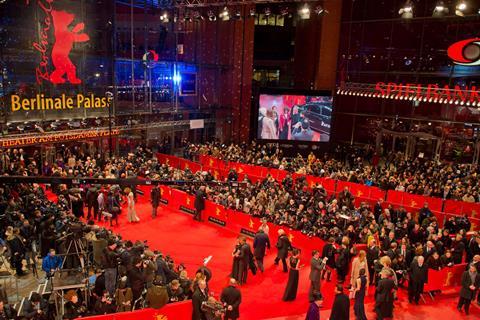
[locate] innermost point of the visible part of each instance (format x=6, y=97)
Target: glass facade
x=379, y=45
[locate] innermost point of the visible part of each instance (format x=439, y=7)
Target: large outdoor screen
x=294, y=117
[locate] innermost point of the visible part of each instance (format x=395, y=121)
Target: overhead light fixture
x=284, y=11
x=304, y=12
x=211, y=16
x=440, y=9
x=319, y=10
x=238, y=15
x=164, y=17
x=224, y=15
x=252, y=12
x=187, y=17
x=406, y=12
x=267, y=11
x=461, y=8
x=197, y=15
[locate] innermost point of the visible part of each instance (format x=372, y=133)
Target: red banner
x=460, y=208
x=444, y=279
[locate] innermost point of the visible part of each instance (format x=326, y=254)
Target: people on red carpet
x=360, y=291
x=199, y=202
x=313, y=312
x=470, y=285
x=341, y=305
x=384, y=295
x=231, y=298
x=316, y=268
x=418, y=276
x=260, y=244
x=328, y=254
x=284, y=246
x=155, y=199
x=292, y=285
x=199, y=297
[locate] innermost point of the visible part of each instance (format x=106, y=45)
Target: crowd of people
x=360, y=165
x=399, y=245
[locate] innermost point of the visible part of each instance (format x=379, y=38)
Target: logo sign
x=65, y=32
x=465, y=52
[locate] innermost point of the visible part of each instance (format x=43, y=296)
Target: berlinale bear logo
x=64, y=40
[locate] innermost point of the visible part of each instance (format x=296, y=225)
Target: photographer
x=109, y=263
x=213, y=309
x=149, y=267
x=17, y=249
x=105, y=304
x=36, y=308
x=73, y=308
x=51, y=263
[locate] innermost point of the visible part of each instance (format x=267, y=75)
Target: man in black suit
x=384, y=295
x=199, y=296
x=470, y=285
x=316, y=267
x=283, y=246
x=244, y=259
x=341, y=305
x=92, y=203
x=231, y=299
x=260, y=243
x=155, y=199
x=199, y=203
x=373, y=254
x=328, y=252
x=418, y=274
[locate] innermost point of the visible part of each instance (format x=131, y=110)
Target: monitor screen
x=294, y=117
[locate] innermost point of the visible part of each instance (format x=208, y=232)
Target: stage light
x=252, y=13
x=197, y=15
x=406, y=11
x=187, y=17
x=320, y=10
x=177, y=78
x=97, y=75
x=238, y=15
x=164, y=17
x=461, y=8
x=440, y=9
x=211, y=15
x=304, y=12
x=224, y=15
x=284, y=12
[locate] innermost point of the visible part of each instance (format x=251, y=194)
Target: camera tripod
x=76, y=248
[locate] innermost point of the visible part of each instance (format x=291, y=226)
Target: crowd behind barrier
x=238, y=222
x=178, y=310
x=442, y=209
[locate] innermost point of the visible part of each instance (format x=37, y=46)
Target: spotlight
x=197, y=15
x=164, y=17
x=320, y=10
x=440, y=9
x=211, y=16
x=461, y=8
x=267, y=11
x=304, y=12
x=252, y=12
x=238, y=15
x=406, y=11
x=187, y=17
x=224, y=15
x=284, y=12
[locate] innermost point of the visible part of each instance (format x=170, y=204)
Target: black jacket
x=283, y=246
x=418, y=274
x=231, y=296
x=384, y=291
x=197, y=299
x=200, y=200
x=155, y=197
x=465, y=291
x=260, y=243
x=340, y=308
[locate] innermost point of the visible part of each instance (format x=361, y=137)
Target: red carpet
x=188, y=242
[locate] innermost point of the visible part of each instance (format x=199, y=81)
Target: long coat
x=199, y=200
x=283, y=245
x=232, y=297
x=260, y=243
x=465, y=291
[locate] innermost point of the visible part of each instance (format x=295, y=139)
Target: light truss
x=166, y=4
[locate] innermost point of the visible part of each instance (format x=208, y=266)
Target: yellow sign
x=41, y=102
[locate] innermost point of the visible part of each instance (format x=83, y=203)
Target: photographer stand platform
x=64, y=280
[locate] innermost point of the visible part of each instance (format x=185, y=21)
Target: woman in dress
x=360, y=291
x=131, y=214
x=358, y=263
x=292, y=285
x=236, y=261
x=269, y=130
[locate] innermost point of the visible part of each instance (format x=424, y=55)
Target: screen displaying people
x=294, y=117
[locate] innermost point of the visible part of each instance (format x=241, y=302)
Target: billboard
x=57, y=58
x=294, y=117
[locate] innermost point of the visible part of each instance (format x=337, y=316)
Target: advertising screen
x=294, y=117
